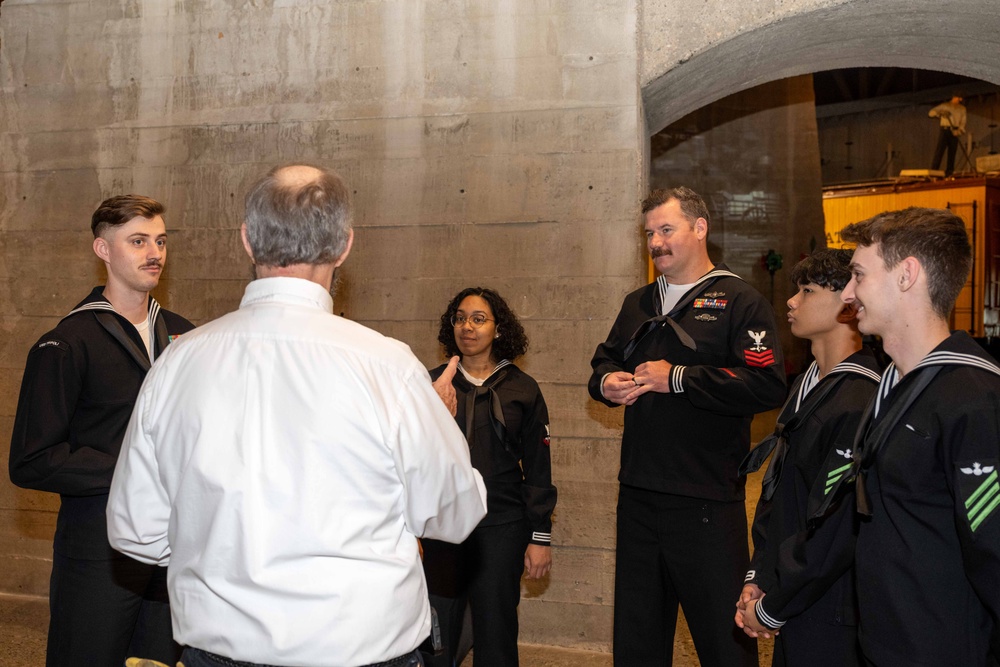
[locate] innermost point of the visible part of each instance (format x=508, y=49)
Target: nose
x=791, y=303
x=848, y=296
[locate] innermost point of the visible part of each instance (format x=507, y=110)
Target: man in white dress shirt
x=284, y=460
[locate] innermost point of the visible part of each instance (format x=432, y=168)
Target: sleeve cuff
x=751, y=575
x=542, y=539
x=766, y=619
x=677, y=379
x=603, y=378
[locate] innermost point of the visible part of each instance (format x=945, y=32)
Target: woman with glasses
x=504, y=418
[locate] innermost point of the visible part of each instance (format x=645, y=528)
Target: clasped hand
x=746, y=613
x=624, y=388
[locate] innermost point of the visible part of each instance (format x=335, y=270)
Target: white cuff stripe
x=677, y=379
x=541, y=537
x=764, y=618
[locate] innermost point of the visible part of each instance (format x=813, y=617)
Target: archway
x=961, y=36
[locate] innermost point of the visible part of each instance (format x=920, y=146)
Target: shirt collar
x=287, y=290
x=476, y=381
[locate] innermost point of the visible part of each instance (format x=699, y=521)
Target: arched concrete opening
x=959, y=36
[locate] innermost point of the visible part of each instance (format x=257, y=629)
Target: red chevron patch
x=761, y=359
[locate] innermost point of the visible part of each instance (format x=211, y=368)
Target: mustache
x=659, y=252
x=154, y=262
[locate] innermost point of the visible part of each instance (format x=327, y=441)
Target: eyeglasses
x=477, y=320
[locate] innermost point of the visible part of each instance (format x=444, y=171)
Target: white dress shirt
x=282, y=460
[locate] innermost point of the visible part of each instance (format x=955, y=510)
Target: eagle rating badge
x=758, y=354
x=980, y=491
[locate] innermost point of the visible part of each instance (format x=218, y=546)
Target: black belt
x=400, y=661
x=228, y=662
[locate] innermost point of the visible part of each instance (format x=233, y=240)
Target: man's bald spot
x=297, y=176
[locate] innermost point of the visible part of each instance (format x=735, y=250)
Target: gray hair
x=298, y=220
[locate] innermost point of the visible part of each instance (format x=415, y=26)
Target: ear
x=347, y=250
x=908, y=272
x=848, y=313
x=101, y=249
x=246, y=243
x=701, y=228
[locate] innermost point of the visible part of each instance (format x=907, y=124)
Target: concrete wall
x=502, y=143
x=486, y=143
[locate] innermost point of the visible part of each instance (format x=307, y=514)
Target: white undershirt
x=477, y=381
x=673, y=295
x=143, y=329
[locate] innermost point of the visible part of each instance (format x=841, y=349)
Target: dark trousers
x=450, y=613
x=676, y=550
x=447, y=584
x=946, y=140
x=104, y=611
x=484, y=571
x=495, y=564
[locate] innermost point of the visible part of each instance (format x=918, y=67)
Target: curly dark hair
x=511, y=344
x=829, y=267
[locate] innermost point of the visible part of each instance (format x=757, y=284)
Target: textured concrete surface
x=24, y=623
x=501, y=144
x=727, y=49
x=485, y=144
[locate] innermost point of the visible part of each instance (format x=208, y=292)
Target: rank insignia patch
x=834, y=476
x=980, y=491
x=705, y=317
x=761, y=359
x=717, y=304
x=758, y=355
x=758, y=340
x=546, y=440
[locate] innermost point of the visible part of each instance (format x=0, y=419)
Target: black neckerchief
x=109, y=319
x=495, y=407
x=649, y=325
x=778, y=441
x=876, y=426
